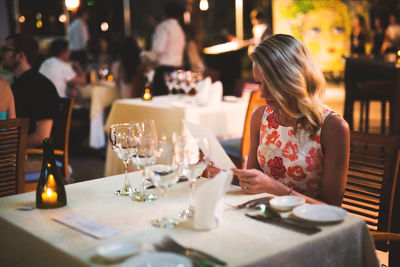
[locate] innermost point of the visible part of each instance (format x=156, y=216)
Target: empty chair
x=13, y=139
x=60, y=135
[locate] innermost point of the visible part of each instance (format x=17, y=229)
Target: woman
x=392, y=36
x=359, y=36
x=7, y=107
x=298, y=146
x=379, y=35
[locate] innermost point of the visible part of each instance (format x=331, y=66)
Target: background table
x=101, y=95
x=225, y=120
x=32, y=238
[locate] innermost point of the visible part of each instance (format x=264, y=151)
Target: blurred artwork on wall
x=324, y=26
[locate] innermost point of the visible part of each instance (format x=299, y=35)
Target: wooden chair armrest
x=39, y=151
x=384, y=236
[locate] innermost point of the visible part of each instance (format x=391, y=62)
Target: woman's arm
x=335, y=141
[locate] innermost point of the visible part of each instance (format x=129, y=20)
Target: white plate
x=320, y=213
x=117, y=250
x=158, y=259
x=286, y=203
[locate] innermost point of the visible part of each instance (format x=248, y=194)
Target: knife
x=254, y=202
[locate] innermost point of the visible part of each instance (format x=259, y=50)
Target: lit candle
x=147, y=95
x=110, y=77
x=49, y=197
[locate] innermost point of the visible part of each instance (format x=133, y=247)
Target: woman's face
x=265, y=93
x=324, y=33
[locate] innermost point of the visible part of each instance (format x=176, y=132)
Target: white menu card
x=217, y=153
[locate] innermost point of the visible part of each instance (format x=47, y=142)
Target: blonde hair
x=292, y=77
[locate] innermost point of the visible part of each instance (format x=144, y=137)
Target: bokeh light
x=104, y=26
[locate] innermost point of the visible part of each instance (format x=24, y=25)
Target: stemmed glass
x=145, y=156
x=194, y=153
x=124, y=140
x=164, y=173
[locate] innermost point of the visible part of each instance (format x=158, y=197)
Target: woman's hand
x=254, y=181
x=212, y=171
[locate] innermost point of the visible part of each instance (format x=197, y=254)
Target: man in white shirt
x=57, y=70
x=168, y=46
x=79, y=35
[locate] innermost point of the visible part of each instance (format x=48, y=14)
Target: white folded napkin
x=208, y=201
x=203, y=88
x=215, y=93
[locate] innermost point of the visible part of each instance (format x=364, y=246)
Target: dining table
x=34, y=237
x=101, y=95
x=225, y=119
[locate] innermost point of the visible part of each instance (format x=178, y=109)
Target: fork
x=199, y=257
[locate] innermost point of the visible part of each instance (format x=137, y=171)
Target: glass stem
x=192, y=186
x=126, y=162
x=143, y=187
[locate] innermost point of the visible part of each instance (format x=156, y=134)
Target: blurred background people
x=79, y=35
x=261, y=29
x=378, y=36
x=392, y=35
x=7, y=106
x=98, y=54
x=359, y=36
x=193, y=60
x=167, y=47
x=35, y=96
x=128, y=71
x=59, y=71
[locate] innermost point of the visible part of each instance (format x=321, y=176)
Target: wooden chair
x=13, y=139
x=238, y=148
x=372, y=184
x=60, y=135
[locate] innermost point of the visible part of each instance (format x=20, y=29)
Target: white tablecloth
x=32, y=238
x=225, y=120
x=101, y=95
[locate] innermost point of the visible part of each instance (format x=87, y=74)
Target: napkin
x=208, y=201
x=203, y=88
x=215, y=93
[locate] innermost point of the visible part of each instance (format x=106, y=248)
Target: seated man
x=35, y=96
x=57, y=70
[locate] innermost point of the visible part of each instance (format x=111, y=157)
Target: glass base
x=126, y=191
x=146, y=197
x=186, y=213
x=165, y=223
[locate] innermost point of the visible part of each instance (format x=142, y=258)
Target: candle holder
x=50, y=191
x=147, y=95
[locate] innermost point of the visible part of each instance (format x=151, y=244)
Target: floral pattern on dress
x=271, y=122
x=294, y=159
x=312, y=159
x=296, y=173
x=290, y=151
x=277, y=168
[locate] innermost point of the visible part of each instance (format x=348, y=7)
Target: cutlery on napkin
x=270, y=216
x=198, y=257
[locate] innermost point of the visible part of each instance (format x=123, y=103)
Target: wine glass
x=145, y=156
x=164, y=174
x=124, y=141
x=193, y=151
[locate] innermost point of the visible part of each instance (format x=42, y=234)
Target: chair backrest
x=372, y=178
x=13, y=140
x=255, y=101
x=61, y=125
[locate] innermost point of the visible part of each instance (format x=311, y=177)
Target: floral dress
x=295, y=161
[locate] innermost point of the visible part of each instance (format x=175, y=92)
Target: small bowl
x=286, y=203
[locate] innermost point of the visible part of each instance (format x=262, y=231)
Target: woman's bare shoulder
x=334, y=127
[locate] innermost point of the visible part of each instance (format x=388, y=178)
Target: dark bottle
x=50, y=191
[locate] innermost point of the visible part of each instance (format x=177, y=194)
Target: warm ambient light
x=62, y=18
x=104, y=26
x=147, y=95
x=71, y=4
x=39, y=24
x=21, y=19
x=49, y=196
x=203, y=5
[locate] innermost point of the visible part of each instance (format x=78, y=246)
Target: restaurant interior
x=191, y=133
